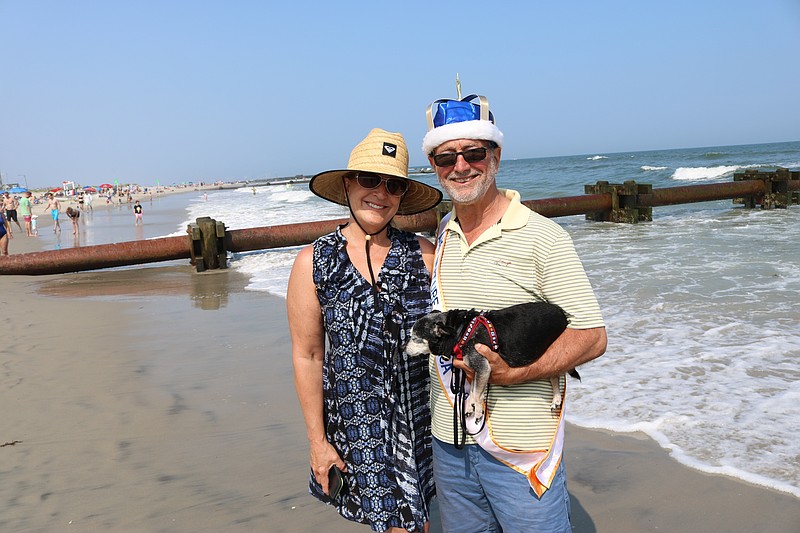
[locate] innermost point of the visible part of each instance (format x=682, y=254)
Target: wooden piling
x=625, y=205
x=207, y=244
x=780, y=188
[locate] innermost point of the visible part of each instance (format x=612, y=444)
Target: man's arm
x=573, y=348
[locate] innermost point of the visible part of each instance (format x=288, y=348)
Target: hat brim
x=471, y=129
x=418, y=198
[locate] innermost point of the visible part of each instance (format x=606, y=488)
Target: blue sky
x=140, y=91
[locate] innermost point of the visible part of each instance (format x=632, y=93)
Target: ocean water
x=702, y=305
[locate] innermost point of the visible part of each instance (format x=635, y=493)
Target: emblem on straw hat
x=381, y=152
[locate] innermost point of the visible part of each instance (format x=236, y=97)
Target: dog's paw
x=555, y=407
x=469, y=408
x=479, y=412
x=474, y=409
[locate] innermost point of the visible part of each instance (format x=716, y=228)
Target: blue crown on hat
x=451, y=111
x=460, y=119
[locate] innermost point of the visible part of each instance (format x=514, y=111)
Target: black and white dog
x=519, y=333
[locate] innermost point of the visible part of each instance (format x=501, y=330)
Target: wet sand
x=158, y=399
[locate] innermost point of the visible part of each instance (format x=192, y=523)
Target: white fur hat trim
x=470, y=129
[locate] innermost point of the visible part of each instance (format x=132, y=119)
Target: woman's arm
x=308, y=351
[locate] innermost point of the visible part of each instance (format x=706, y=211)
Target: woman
x=74, y=215
x=364, y=402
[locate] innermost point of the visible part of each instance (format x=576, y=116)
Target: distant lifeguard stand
x=69, y=188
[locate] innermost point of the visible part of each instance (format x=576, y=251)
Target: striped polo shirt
x=523, y=258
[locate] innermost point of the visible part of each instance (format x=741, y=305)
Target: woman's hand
x=323, y=455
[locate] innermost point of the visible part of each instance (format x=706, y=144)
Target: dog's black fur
x=524, y=332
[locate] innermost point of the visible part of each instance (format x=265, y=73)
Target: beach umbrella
x=56, y=189
x=106, y=186
x=17, y=189
x=89, y=188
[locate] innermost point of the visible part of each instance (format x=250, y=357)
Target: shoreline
x=106, y=223
x=159, y=399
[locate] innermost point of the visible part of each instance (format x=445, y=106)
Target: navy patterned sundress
x=375, y=398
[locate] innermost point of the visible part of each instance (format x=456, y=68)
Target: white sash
x=538, y=466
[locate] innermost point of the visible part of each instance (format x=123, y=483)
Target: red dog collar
x=472, y=327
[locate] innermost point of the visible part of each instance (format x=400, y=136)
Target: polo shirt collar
x=515, y=217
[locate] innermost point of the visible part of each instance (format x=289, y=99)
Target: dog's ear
x=441, y=330
x=457, y=317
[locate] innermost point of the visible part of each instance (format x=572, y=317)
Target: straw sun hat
x=384, y=153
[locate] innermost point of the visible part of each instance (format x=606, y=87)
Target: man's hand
x=459, y=363
x=573, y=348
x=502, y=374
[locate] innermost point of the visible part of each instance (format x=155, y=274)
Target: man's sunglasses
x=394, y=186
x=448, y=159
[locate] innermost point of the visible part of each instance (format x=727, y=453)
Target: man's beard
x=479, y=186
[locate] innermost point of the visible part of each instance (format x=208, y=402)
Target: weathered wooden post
x=777, y=192
x=207, y=247
x=624, y=202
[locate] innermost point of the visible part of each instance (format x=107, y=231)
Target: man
x=54, y=206
x=10, y=205
x=25, y=211
x=493, y=252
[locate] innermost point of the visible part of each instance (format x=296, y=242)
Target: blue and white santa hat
x=460, y=119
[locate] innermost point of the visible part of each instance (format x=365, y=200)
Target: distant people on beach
x=25, y=210
x=362, y=287
x=74, y=215
x=137, y=211
x=10, y=205
x=5, y=234
x=54, y=207
x=88, y=199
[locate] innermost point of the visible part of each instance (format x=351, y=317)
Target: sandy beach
x=159, y=399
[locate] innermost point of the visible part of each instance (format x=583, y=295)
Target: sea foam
x=703, y=173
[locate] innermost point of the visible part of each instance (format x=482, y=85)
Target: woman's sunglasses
x=394, y=186
x=448, y=159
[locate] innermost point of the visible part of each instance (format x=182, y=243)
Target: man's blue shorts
x=478, y=493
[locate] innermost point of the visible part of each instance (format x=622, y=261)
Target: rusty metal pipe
x=242, y=240
x=171, y=248
x=701, y=193
x=283, y=235
x=95, y=257
x=570, y=205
